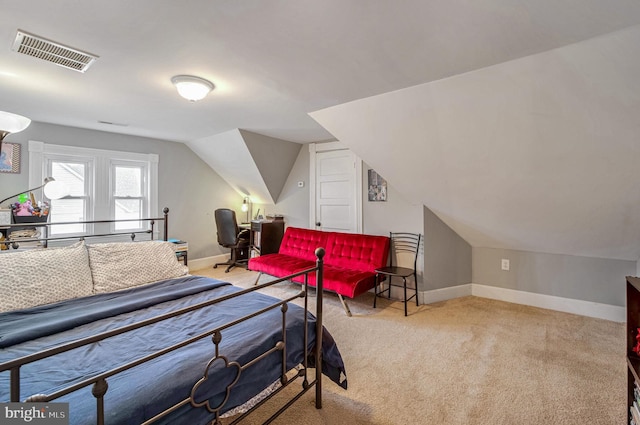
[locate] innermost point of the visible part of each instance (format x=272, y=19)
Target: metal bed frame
x=100, y=382
x=9, y=241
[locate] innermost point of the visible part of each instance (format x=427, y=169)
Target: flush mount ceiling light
x=192, y=88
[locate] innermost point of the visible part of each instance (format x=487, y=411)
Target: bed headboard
x=43, y=238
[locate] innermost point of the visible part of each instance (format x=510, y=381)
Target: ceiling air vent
x=50, y=51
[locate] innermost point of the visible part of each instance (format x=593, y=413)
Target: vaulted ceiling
x=513, y=120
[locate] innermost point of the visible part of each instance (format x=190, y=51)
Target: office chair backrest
x=227, y=226
x=407, y=243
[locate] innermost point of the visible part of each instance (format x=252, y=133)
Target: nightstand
x=181, y=248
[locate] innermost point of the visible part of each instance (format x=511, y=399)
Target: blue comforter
x=139, y=393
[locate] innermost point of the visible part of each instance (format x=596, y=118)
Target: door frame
x=357, y=169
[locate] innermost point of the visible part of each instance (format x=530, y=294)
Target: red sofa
x=349, y=263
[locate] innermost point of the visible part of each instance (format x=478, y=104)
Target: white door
x=336, y=190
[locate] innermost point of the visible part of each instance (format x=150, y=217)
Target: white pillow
x=43, y=276
x=122, y=265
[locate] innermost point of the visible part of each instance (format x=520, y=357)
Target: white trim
x=359, y=219
x=99, y=175
x=36, y=150
x=328, y=146
x=312, y=185
x=568, y=305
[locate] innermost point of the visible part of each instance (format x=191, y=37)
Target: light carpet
x=464, y=361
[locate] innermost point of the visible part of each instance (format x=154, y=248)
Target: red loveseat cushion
x=347, y=282
x=302, y=243
x=279, y=264
x=357, y=252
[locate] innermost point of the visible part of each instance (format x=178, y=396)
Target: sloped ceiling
x=254, y=165
x=511, y=119
x=539, y=153
x=272, y=61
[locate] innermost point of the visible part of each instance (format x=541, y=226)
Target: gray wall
x=293, y=201
x=447, y=256
x=397, y=214
x=274, y=159
x=583, y=278
x=448, y=259
x=188, y=186
x=192, y=191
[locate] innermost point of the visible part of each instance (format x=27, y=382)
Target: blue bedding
x=139, y=393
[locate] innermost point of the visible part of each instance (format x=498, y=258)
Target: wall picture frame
x=377, y=187
x=10, y=158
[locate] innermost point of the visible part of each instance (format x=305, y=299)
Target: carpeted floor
x=465, y=361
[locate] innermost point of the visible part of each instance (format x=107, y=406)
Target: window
x=75, y=206
x=102, y=185
x=128, y=200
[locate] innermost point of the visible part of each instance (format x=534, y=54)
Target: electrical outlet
x=505, y=264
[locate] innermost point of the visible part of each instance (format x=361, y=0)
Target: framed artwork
x=377, y=187
x=10, y=158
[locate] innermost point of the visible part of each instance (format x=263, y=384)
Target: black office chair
x=230, y=236
x=401, y=242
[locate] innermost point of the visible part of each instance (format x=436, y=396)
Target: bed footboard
x=312, y=357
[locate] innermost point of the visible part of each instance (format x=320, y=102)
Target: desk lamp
x=246, y=203
x=50, y=191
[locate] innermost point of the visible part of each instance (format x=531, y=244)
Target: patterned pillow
x=121, y=265
x=43, y=276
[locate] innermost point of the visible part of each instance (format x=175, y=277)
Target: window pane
x=127, y=209
x=67, y=210
x=128, y=181
x=71, y=174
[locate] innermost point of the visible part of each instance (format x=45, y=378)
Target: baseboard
x=568, y=305
x=203, y=263
x=443, y=294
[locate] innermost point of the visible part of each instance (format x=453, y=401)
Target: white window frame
x=144, y=166
x=90, y=165
x=100, y=175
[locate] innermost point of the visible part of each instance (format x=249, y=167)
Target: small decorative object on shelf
x=636, y=348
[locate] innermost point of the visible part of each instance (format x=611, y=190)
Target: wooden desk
x=266, y=235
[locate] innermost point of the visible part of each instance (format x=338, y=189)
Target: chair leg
x=232, y=262
x=258, y=279
x=344, y=305
x=415, y=279
x=405, y=295
x=227, y=263
x=375, y=290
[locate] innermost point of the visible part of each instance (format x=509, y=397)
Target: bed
x=176, y=349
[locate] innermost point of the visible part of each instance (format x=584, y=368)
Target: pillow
x=43, y=276
x=121, y=265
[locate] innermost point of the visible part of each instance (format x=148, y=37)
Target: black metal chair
x=230, y=236
x=401, y=242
